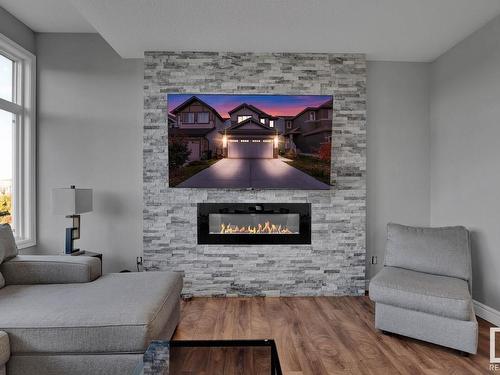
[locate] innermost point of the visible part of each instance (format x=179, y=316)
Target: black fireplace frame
x=302, y=238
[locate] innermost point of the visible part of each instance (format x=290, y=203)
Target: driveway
x=252, y=173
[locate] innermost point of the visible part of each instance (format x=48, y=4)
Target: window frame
x=24, y=164
x=185, y=117
x=198, y=116
x=246, y=117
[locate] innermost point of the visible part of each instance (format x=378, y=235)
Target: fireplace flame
x=267, y=228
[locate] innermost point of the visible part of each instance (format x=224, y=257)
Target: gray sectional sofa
x=424, y=289
x=61, y=316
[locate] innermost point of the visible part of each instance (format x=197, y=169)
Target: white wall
x=16, y=31
x=90, y=115
x=90, y=135
x=398, y=179
x=465, y=151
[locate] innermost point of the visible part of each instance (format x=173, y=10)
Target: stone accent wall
x=334, y=264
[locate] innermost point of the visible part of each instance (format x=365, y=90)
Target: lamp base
x=72, y=234
x=69, y=249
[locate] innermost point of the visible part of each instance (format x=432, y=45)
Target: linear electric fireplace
x=250, y=223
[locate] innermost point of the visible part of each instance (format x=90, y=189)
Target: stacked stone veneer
x=334, y=264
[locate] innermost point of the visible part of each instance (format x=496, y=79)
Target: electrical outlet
x=139, y=262
x=374, y=260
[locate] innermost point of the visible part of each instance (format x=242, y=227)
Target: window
x=202, y=118
x=6, y=159
x=312, y=115
x=243, y=118
x=6, y=78
x=17, y=141
x=188, y=117
x=288, y=124
x=263, y=121
x=271, y=123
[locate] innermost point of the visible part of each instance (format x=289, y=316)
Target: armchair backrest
x=440, y=251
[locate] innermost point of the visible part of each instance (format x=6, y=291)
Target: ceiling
x=45, y=16
x=395, y=30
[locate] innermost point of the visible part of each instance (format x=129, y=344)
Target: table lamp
x=71, y=202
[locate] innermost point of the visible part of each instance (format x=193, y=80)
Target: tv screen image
x=250, y=141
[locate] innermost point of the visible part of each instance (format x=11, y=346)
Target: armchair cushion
x=50, y=269
x=439, y=295
x=8, y=248
x=440, y=251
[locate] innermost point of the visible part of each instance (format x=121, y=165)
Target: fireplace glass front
x=231, y=224
x=221, y=223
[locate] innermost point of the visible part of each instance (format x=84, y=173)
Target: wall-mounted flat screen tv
x=250, y=141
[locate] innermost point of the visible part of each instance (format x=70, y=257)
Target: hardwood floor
x=324, y=335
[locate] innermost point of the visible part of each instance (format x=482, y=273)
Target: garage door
x=250, y=148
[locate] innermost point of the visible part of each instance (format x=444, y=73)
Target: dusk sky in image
x=285, y=105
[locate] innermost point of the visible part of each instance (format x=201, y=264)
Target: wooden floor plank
x=316, y=336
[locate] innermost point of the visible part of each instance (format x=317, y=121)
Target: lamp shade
x=71, y=201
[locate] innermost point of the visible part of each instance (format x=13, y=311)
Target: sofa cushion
x=440, y=251
x=439, y=295
x=50, y=269
x=116, y=313
x=8, y=247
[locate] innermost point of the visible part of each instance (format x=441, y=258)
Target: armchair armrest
x=50, y=269
x=4, y=351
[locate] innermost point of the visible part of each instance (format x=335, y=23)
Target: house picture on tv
x=250, y=141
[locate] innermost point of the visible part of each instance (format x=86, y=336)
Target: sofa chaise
x=424, y=289
x=63, y=317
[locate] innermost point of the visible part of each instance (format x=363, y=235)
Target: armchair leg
x=463, y=354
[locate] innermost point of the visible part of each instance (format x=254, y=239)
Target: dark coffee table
x=217, y=357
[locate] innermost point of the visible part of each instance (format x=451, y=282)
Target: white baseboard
x=487, y=313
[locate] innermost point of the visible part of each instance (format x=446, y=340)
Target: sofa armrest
x=4, y=348
x=50, y=269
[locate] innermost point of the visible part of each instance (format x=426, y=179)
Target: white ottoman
x=4, y=351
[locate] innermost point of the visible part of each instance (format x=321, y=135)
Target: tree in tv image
x=250, y=141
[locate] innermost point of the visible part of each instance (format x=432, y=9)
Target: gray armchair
x=424, y=289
